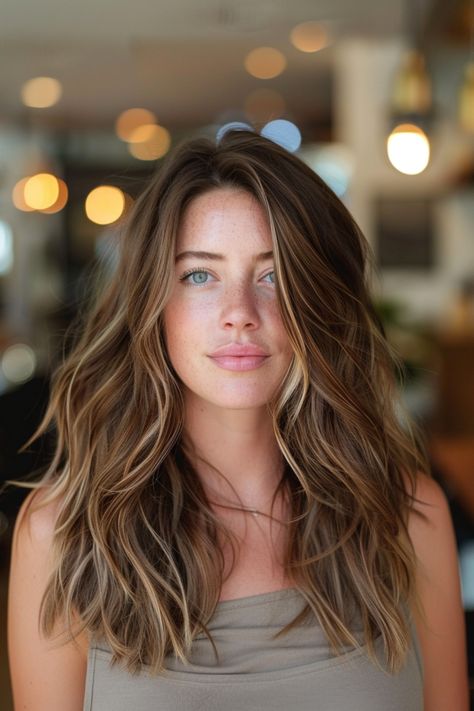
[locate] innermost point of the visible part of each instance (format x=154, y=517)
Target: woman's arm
x=443, y=639
x=43, y=677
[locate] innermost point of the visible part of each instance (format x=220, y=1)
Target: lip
x=239, y=350
x=239, y=363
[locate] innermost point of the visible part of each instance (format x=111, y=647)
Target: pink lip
x=239, y=349
x=240, y=363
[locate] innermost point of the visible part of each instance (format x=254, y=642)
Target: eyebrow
x=214, y=255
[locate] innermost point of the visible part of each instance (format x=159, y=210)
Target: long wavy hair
x=137, y=547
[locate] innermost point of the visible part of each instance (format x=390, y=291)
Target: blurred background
x=377, y=97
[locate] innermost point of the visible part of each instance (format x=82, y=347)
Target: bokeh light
x=41, y=92
x=283, y=132
x=264, y=104
x=105, y=204
x=333, y=162
x=18, y=363
x=309, y=36
x=61, y=200
x=412, y=92
x=466, y=97
x=239, y=125
x=6, y=247
x=143, y=133
x=41, y=191
x=265, y=62
x=408, y=149
x=130, y=120
x=156, y=145
x=18, y=195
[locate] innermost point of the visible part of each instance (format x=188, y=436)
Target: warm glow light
x=41, y=191
x=466, y=99
x=264, y=104
x=35, y=193
x=412, y=86
x=18, y=195
x=132, y=119
x=41, y=92
x=309, y=36
x=105, y=204
x=408, y=149
x=155, y=146
x=265, y=62
x=60, y=201
x=143, y=134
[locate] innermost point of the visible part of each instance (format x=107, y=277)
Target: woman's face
x=229, y=299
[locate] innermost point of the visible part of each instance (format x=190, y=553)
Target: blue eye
x=186, y=275
x=194, y=271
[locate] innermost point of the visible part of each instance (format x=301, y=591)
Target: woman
x=234, y=515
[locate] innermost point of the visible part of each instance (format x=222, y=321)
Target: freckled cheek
x=195, y=314
x=275, y=319
x=186, y=323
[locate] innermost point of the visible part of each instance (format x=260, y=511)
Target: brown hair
x=136, y=541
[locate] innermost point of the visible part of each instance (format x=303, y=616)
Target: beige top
x=295, y=671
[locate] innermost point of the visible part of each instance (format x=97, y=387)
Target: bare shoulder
x=44, y=674
x=431, y=500
x=36, y=520
x=433, y=538
x=442, y=633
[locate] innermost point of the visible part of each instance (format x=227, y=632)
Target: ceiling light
x=130, y=120
x=41, y=92
x=466, y=99
x=408, y=149
x=18, y=196
x=155, y=145
x=309, y=36
x=265, y=62
x=105, y=204
x=264, y=105
x=41, y=191
x=412, y=87
x=60, y=201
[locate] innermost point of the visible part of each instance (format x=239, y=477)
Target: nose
x=240, y=308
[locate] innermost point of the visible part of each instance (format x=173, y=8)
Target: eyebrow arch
x=214, y=255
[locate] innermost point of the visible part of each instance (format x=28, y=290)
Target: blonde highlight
x=137, y=545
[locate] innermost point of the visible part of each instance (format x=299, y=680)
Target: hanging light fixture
x=466, y=99
x=408, y=149
x=411, y=107
x=466, y=93
x=412, y=86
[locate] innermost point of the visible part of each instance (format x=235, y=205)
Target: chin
x=243, y=406
x=238, y=403
x=233, y=402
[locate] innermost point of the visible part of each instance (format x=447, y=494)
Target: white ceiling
x=183, y=59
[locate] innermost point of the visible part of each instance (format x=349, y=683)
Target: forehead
x=220, y=215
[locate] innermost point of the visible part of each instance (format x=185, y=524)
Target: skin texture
x=43, y=673
x=443, y=638
x=231, y=300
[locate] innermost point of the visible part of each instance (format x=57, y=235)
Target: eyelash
x=184, y=276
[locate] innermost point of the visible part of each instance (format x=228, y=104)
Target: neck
x=241, y=445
